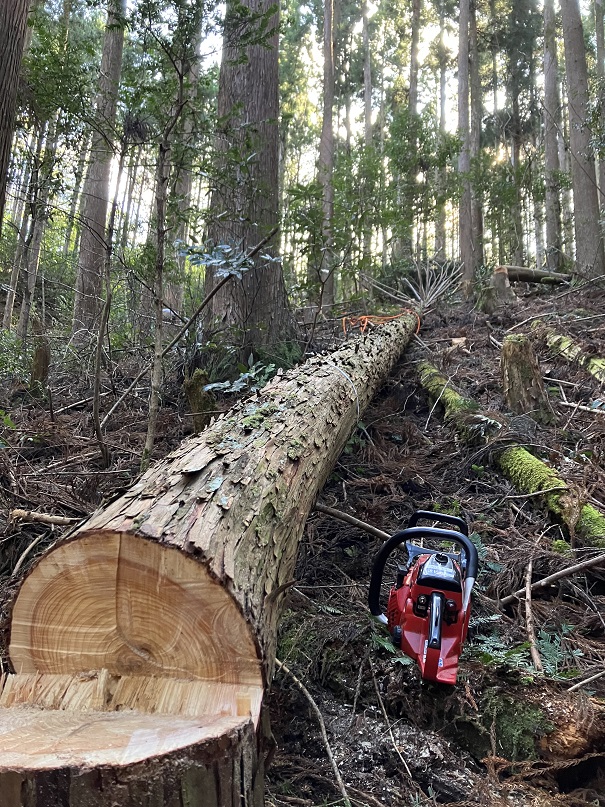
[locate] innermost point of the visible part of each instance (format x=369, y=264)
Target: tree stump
x=142, y=644
x=499, y=292
x=523, y=386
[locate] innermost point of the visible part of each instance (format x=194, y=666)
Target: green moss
x=506, y=723
x=255, y=416
x=295, y=450
x=531, y=475
x=591, y=526
x=561, y=547
x=440, y=389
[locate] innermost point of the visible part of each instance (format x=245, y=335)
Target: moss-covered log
x=527, y=473
x=142, y=644
x=572, y=351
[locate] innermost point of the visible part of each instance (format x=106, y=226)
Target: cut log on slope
x=524, y=273
x=572, y=351
x=527, y=473
x=143, y=643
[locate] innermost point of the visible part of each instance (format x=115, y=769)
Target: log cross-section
x=164, y=604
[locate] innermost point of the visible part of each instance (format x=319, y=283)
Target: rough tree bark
x=89, y=280
x=13, y=25
x=590, y=256
x=171, y=595
x=467, y=248
x=253, y=311
x=522, y=382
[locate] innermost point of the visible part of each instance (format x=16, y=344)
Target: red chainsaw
x=429, y=605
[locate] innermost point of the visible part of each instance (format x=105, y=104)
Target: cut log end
x=123, y=649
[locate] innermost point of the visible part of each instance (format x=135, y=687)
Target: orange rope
x=368, y=320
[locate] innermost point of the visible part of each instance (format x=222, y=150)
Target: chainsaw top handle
x=470, y=551
x=444, y=518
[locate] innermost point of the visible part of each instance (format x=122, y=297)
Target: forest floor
x=505, y=734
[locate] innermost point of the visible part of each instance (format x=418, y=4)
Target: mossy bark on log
x=202, y=403
x=522, y=380
x=171, y=593
x=527, y=473
x=572, y=351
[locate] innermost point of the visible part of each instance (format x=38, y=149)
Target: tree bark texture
x=467, y=252
x=13, y=25
x=552, y=126
x=522, y=380
x=89, y=280
x=253, y=311
x=590, y=257
x=172, y=592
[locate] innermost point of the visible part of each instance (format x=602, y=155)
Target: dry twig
x=387, y=721
x=529, y=619
x=322, y=727
x=546, y=581
x=330, y=511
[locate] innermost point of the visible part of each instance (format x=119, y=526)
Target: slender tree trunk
x=87, y=305
x=552, y=127
x=26, y=229
x=38, y=224
x=367, y=97
x=440, y=173
x=590, y=257
x=599, y=21
x=476, y=116
x=133, y=170
x=326, y=161
x=74, y=206
x=467, y=251
x=13, y=26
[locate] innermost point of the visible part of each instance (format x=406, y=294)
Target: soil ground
x=504, y=735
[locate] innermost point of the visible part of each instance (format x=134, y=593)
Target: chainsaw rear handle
x=444, y=518
x=470, y=550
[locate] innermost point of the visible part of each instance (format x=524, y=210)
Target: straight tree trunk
x=89, y=280
x=253, y=312
x=599, y=23
x=441, y=176
x=467, y=251
x=13, y=27
x=590, y=257
x=367, y=131
x=476, y=116
x=168, y=600
x=326, y=161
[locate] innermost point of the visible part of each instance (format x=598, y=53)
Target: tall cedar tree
x=251, y=312
x=87, y=305
x=13, y=24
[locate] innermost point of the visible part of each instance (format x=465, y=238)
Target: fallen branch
x=529, y=619
x=592, y=678
x=330, y=511
x=597, y=560
x=322, y=727
x=387, y=721
x=31, y=516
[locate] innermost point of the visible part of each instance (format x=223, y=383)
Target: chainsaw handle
x=470, y=550
x=444, y=518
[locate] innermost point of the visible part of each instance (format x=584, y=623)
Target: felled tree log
x=527, y=473
x=142, y=644
x=522, y=380
x=523, y=273
x=572, y=351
